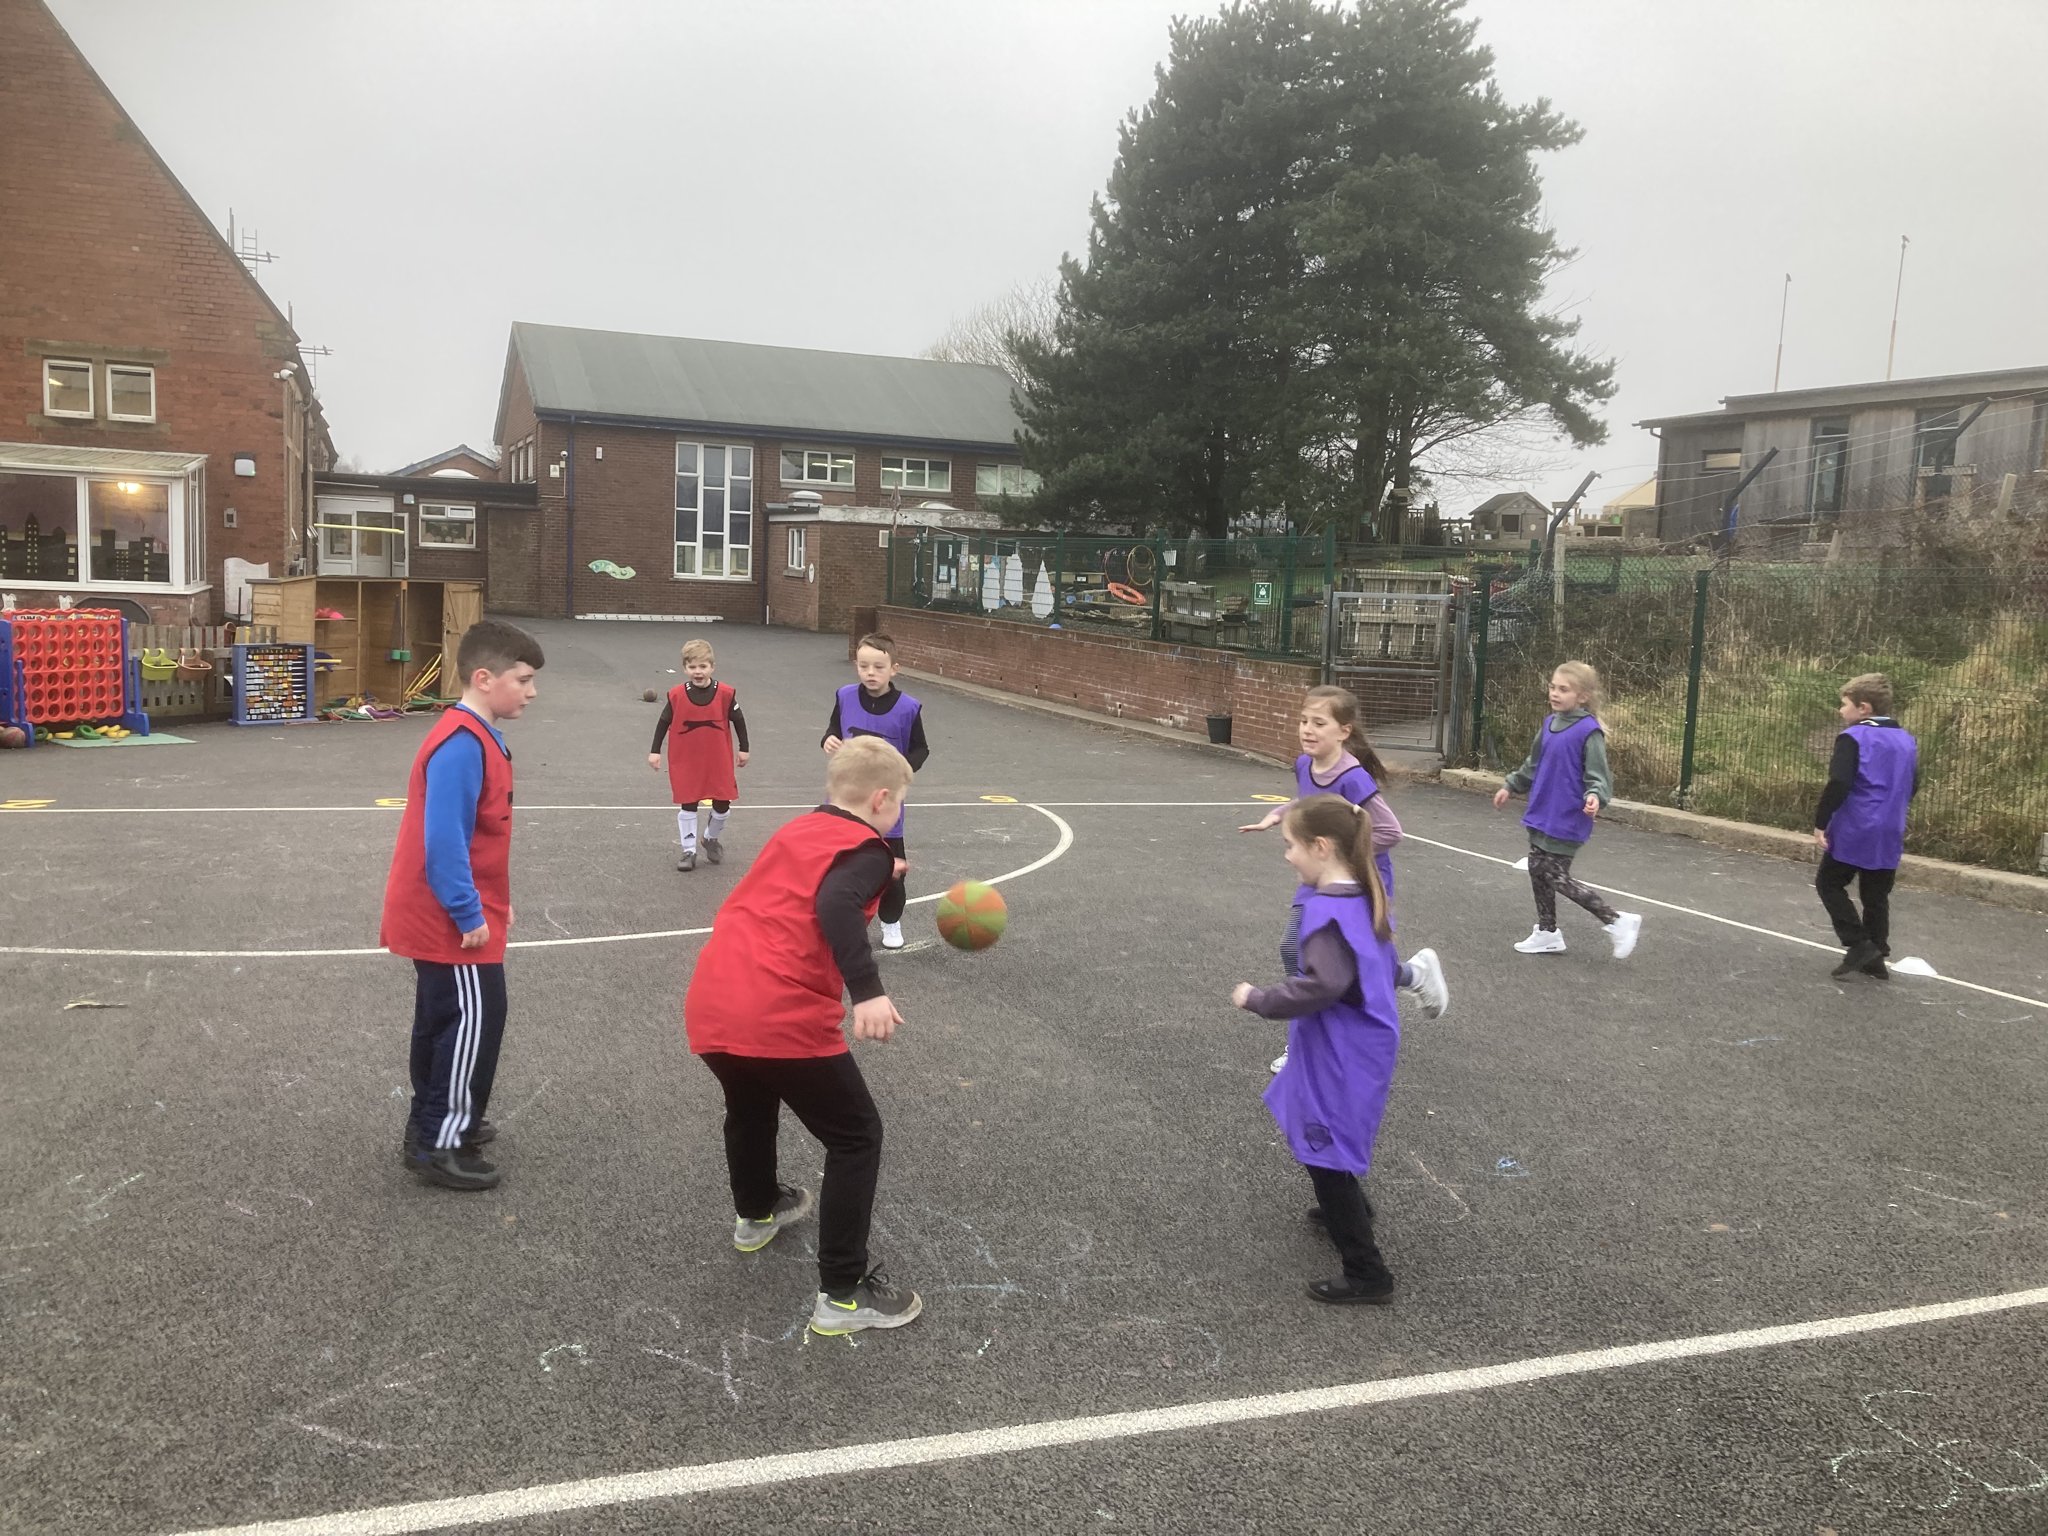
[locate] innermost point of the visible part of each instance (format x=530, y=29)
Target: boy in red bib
x=448, y=904
x=700, y=725
x=765, y=1008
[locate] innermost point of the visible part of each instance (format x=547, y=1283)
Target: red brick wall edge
x=1173, y=685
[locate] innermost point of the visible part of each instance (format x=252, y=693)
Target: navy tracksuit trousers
x=458, y=1022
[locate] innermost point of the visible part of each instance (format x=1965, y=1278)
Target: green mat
x=154, y=739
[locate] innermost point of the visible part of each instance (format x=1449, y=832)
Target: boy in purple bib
x=1565, y=776
x=873, y=706
x=1860, y=823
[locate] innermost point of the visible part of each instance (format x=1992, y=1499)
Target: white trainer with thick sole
x=1542, y=941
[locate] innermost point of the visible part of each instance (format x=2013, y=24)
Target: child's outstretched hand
x=1592, y=805
x=831, y=745
x=741, y=760
x=1240, y=994
x=1500, y=797
x=654, y=761
x=1270, y=819
x=875, y=1019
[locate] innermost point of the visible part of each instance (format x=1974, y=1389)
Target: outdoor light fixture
x=245, y=464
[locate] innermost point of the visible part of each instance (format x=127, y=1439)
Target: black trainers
x=480, y=1134
x=453, y=1167
x=791, y=1205
x=1858, y=957
x=714, y=850
x=874, y=1303
x=1346, y=1292
x=1878, y=969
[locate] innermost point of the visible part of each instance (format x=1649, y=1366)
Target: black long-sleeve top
x=856, y=878
x=702, y=695
x=1329, y=974
x=1842, y=769
x=881, y=705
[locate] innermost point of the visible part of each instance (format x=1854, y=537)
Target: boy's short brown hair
x=863, y=765
x=1872, y=688
x=877, y=642
x=697, y=650
x=495, y=646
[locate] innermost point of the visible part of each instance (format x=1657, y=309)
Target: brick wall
x=1175, y=685
x=792, y=595
x=105, y=258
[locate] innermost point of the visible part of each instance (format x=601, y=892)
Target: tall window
x=916, y=474
x=1003, y=480
x=67, y=388
x=1830, y=465
x=127, y=531
x=447, y=527
x=817, y=466
x=715, y=510
x=797, y=556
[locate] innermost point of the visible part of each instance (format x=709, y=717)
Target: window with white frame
x=916, y=474
x=361, y=539
x=519, y=460
x=67, y=388
x=715, y=510
x=817, y=466
x=99, y=529
x=447, y=527
x=798, y=556
x=131, y=392
x=1003, y=480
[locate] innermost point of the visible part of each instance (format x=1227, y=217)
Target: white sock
x=686, y=825
x=716, y=825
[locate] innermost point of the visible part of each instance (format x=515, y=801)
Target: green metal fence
x=1722, y=681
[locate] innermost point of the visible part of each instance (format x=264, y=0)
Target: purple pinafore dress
x=1329, y=1097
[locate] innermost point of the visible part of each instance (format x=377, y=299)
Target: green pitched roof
x=784, y=390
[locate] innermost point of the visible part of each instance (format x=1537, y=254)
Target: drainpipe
x=569, y=518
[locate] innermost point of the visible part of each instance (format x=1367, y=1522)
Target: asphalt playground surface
x=225, y=1303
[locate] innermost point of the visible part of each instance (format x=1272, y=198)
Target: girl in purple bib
x=1565, y=775
x=1343, y=1032
x=874, y=706
x=1336, y=760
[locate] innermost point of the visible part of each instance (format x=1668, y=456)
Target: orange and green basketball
x=972, y=915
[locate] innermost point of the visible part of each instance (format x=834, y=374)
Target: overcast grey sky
x=846, y=175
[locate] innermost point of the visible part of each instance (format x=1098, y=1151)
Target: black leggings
x=1875, y=924
x=1348, y=1215
x=897, y=897
x=1550, y=876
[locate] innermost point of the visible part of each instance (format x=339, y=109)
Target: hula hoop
x=1127, y=594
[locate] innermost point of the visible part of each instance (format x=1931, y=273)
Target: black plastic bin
x=1219, y=730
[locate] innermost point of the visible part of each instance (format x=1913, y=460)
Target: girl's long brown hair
x=1349, y=830
x=1342, y=704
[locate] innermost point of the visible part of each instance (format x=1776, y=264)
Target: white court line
x=1066, y=841
x=1046, y=1434
x=517, y=810
x=1728, y=922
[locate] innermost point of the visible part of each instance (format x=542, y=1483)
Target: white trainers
x=1542, y=941
x=1624, y=930
x=1278, y=1062
x=892, y=935
x=1430, y=989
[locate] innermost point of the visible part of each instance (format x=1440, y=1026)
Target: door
x=462, y=604
x=360, y=536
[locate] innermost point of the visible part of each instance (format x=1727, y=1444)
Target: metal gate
x=1390, y=643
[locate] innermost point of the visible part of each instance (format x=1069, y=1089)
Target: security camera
x=284, y=373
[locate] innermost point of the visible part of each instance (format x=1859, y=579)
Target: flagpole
x=1778, y=371
x=1891, y=351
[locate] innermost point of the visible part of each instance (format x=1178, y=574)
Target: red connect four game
x=73, y=667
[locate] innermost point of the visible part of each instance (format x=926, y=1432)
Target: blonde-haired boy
x=700, y=725
x=765, y=1010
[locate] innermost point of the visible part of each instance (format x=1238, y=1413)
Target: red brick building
x=155, y=418
x=661, y=461
x=459, y=460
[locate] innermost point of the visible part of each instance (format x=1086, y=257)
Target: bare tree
x=988, y=332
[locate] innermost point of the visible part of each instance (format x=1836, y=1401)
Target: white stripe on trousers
x=462, y=1065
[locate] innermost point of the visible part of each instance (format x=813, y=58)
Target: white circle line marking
x=1066, y=841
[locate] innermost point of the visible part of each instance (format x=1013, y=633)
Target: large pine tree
x=1320, y=254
